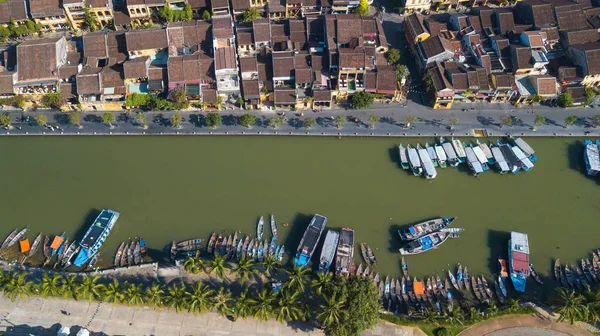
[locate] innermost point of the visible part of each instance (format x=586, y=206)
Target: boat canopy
x=460, y=150
x=524, y=146
x=403, y=157
x=521, y=156
x=441, y=155
x=419, y=287
x=473, y=162
x=486, y=150
x=414, y=157
x=56, y=242
x=426, y=243
x=592, y=156
x=427, y=164
x=480, y=155
x=449, y=151
x=24, y=245
x=431, y=153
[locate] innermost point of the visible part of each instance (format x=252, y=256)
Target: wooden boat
x=467, y=279
x=475, y=288
x=244, y=246
x=398, y=290
x=273, y=247
x=224, y=244
x=143, y=249
x=563, y=278
x=191, y=245
x=441, y=155
x=69, y=253
x=93, y=261
x=240, y=246
x=381, y=289
x=123, y=261
x=432, y=154
x=440, y=285
x=62, y=249
x=261, y=251
x=17, y=237
x=281, y=253
x=260, y=228
x=130, y=251
x=452, y=157
x=414, y=161
x=359, y=270
x=590, y=269
x=404, y=268
x=428, y=167
x=46, y=247
x=387, y=287
x=9, y=238
x=211, y=243
x=557, y=271
x=429, y=292
x=487, y=151
x=67, y=259
x=218, y=244
x=427, y=243
x=118, y=254
x=137, y=253
x=393, y=289
x=57, y=243
x=255, y=249
x=488, y=291
x=173, y=252
x=367, y=271
x=274, y=227
x=460, y=277
x=35, y=245
x=228, y=245
x=371, y=255
x=570, y=277
x=376, y=279
x=363, y=251
x=403, y=290
x=586, y=272
x=453, y=280
x=448, y=291
x=502, y=286
x=234, y=244
x=535, y=275
x=498, y=290
x=248, y=251
x=581, y=280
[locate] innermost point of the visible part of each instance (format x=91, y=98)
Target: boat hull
x=96, y=235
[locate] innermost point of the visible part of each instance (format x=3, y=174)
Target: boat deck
x=403, y=157
x=312, y=234
x=524, y=146
x=522, y=157
x=458, y=147
x=473, y=161
x=441, y=155
x=101, y=223
x=345, y=251
x=329, y=246
x=427, y=164
x=510, y=156
x=414, y=157
x=519, y=252
x=480, y=155
x=449, y=151
x=592, y=156
x=500, y=161
x=486, y=150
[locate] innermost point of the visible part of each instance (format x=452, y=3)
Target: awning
x=24, y=244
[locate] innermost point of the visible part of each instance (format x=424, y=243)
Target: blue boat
x=272, y=247
x=514, y=165
x=591, y=156
x=309, y=241
x=277, y=252
x=518, y=252
x=524, y=146
x=328, y=250
x=96, y=235
x=57, y=242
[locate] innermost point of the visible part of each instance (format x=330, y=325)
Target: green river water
x=176, y=188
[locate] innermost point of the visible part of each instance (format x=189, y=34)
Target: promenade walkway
x=41, y=316
x=528, y=325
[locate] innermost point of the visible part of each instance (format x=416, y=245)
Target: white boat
x=500, y=161
x=260, y=228
x=527, y=165
x=460, y=150
x=441, y=155
x=487, y=151
x=527, y=150
x=429, y=169
x=432, y=154
x=413, y=159
x=451, y=153
x=472, y=161
x=481, y=157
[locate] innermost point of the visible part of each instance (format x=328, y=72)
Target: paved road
x=38, y=316
x=529, y=325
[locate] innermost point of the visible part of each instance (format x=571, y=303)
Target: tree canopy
x=248, y=120
x=539, y=120
x=108, y=118
x=362, y=9
x=54, y=100
x=250, y=14
x=213, y=120
x=41, y=119
x=74, y=118
x=374, y=119
x=570, y=120
x=309, y=123
x=362, y=100
x=393, y=56
x=566, y=99
x=176, y=120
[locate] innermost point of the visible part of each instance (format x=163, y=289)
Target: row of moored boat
x=580, y=276
x=130, y=253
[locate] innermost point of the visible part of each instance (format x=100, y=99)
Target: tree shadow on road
x=92, y=118
x=197, y=120
x=295, y=122
x=61, y=118
x=230, y=120
x=161, y=120
x=486, y=121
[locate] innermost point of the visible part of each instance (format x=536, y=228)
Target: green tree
x=187, y=12
x=15, y=286
x=271, y=266
x=570, y=120
x=179, y=99
x=108, y=118
x=392, y=56
x=217, y=265
x=199, y=299
x=362, y=308
x=297, y=278
x=166, y=13
x=213, y=120
x=90, y=21
x=506, y=120
x=250, y=14
x=90, y=288
x=566, y=99
x=243, y=305
x=263, y=309
x=75, y=118
x=323, y=280
x=362, y=9
x=244, y=268
x=589, y=96
x=309, y=123
x=536, y=98
x=374, y=119
x=137, y=100
x=206, y=15
x=409, y=120
x=596, y=120
x=68, y=287
x=539, y=120
x=222, y=301
x=114, y=291
x=53, y=100
x=275, y=122
x=140, y=119
x=134, y=295
x=155, y=295
x=5, y=120
x=401, y=72
x=287, y=307
x=568, y=304
x=453, y=122
x=332, y=311
x=176, y=120
x=176, y=297
x=50, y=285
x=194, y=264
x=41, y=120
x=4, y=33
x=362, y=100
x=248, y=120
x=340, y=121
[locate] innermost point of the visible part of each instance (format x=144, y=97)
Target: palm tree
x=332, y=311
x=243, y=305
x=570, y=305
x=263, y=308
x=492, y=309
x=15, y=286
x=114, y=291
x=456, y=315
x=297, y=278
x=155, y=295
x=430, y=316
x=244, y=269
x=222, y=301
x=90, y=288
x=134, y=295
x=198, y=300
x=50, y=285
x=271, y=265
x=176, y=296
x=287, y=306
x=218, y=266
x=69, y=287
x=323, y=280
x=513, y=305
x=190, y=265
x=474, y=315
x=3, y=278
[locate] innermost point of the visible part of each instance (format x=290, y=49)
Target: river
x=175, y=188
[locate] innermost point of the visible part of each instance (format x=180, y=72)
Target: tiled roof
x=302, y=60
x=209, y=96
x=283, y=65
x=6, y=82
x=68, y=71
x=571, y=20
x=189, y=34
x=112, y=77
x=43, y=8
x=239, y=5
x=434, y=46
x=12, y=9
x=348, y=27
x=439, y=81
x=371, y=81
x=144, y=39
x=67, y=90
x=184, y=68
x=386, y=79
x=248, y=64
x=225, y=58
x=414, y=22
x=222, y=27
x=578, y=36
x=351, y=58
x=285, y=96
x=196, y=4
x=551, y=33
x=244, y=37
x=506, y=21
x=546, y=85
x=322, y=95
x=136, y=68
x=303, y=76
x=534, y=12
x=577, y=93
x=88, y=81
x=261, y=30
x=251, y=89
x=521, y=57
x=36, y=59
x=218, y=4
x=504, y=80
x=276, y=6
x=94, y=45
